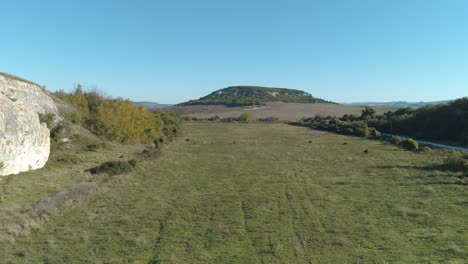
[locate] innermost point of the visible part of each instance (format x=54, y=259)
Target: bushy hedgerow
x=270, y=119
x=118, y=119
x=333, y=124
x=443, y=122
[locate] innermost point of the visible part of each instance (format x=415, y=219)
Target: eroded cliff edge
x=24, y=140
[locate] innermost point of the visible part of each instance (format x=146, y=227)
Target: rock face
x=24, y=141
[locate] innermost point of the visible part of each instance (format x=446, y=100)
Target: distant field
x=257, y=193
x=284, y=111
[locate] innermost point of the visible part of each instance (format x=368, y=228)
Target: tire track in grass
x=163, y=225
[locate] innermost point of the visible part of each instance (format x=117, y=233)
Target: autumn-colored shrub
x=118, y=119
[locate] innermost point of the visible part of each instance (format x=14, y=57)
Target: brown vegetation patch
x=283, y=111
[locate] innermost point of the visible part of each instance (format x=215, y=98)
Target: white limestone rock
x=24, y=141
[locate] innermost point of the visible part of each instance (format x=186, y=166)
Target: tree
x=368, y=113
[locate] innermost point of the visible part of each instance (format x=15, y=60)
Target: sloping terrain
x=254, y=95
x=261, y=193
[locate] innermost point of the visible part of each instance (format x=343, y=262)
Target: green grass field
x=260, y=193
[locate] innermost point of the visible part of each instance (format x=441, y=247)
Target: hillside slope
x=255, y=95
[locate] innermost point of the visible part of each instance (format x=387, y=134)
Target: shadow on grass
x=448, y=183
x=438, y=167
x=434, y=168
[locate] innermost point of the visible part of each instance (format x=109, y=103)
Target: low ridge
x=255, y=95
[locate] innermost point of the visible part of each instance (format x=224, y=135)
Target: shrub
x=158, y=143
x=396, y=140
x=271, y=119
x=374, y=133
x=56, y=135
x=92, y=147
x=78, y=117
x=410, y=144
x=348, y=131
x=246, y=117
x=48, y=119
x=214, y=118
x=362, y=132
x=118, y=119
x=114, y=167
x=368, y=113
x=132, y=163
x=426, y=149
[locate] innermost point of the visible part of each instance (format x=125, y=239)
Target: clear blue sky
x=170, y=51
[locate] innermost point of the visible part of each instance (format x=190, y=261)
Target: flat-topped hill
x=255, y=95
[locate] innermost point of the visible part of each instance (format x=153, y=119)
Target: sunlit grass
x=261, y=193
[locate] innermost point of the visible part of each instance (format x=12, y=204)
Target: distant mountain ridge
x=151, y=105
x=255, y=95
x=399, y=104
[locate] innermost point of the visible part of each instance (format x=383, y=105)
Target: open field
x=284, y=111
x=254, y=193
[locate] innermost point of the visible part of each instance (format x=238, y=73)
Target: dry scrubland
x=248, y=193
x=284, y=111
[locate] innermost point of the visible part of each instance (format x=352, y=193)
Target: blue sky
x=170, y=51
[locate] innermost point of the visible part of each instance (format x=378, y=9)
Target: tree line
x=441, y=123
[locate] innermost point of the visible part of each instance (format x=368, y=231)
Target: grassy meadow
x=249, y=193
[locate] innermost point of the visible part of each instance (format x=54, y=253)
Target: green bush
x=114, y=167
x=374, y=133
x=246, y=117
x=362, y=132
x=78, y=117
x=132, y=163
x=410, y=144
x=396, y=140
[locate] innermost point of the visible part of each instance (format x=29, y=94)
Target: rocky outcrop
x=24, y=140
